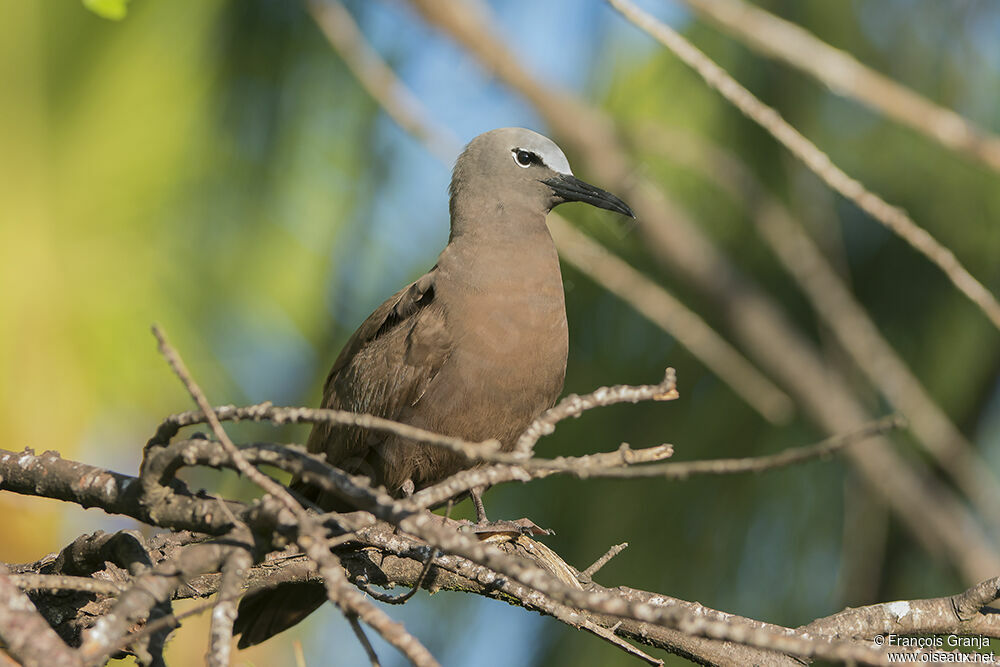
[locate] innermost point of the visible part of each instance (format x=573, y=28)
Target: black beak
x=571, y=188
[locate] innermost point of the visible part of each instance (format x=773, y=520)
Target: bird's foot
x=516, y=527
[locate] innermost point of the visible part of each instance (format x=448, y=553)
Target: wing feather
x=385, y=367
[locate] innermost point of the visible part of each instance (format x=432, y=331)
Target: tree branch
x=845, y=75
x=537, y=578
x=892, y=217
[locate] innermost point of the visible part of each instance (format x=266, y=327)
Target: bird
x=475, y=348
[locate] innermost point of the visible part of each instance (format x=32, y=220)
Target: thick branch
x=24, y=632
x=965, y=613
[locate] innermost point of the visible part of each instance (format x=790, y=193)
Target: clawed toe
x=515, y=527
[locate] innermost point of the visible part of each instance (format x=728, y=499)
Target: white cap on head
x=546, y=149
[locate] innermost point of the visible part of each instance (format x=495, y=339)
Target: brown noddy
x=475, y=348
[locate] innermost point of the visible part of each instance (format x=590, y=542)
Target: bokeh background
x=213, y=166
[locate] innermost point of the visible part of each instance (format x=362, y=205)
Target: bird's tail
x=265, y=613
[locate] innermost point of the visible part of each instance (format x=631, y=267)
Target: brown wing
x=384, y=368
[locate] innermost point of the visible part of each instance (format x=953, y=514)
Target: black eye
x=524, y=158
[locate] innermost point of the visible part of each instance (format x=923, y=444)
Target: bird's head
x=514, y=168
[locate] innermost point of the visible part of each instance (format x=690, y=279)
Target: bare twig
x=454, y=572
x=279, y=492
x=428, y=527
x=671, y=617
x=608, y=635
x=487, y=450
x=605, y=466
x=842, y=73
x=685, y=469
x=362, y=583
x=59, y=582
x=167, y=622
x=360, y=634
x=235, y=570
x=603, y=560
x=297, y=415
x=574, y=406
x=150, y=589
x=164, y=467
x=585, y=464
x=892, y=217
x=664, y=310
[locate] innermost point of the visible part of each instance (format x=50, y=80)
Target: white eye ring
x=523, y=158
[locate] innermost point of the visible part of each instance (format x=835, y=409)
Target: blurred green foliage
x=115, y=10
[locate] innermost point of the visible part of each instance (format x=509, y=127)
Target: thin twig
x=485, y=451
x=541, y=468
x=299, y=415
x=603, y=560
x=300, y=656
x=362, y=583
x=843, y=74
x=62, y=582
x=585, y=463
x=685, y=469
x=461, y=554
x=360, y=634
x=664, y=310
x=608, y=635
x=427, y=527
x=894, y=218
x=163, y=623
x=152, y=589
x=574, y=406
x=651, y=635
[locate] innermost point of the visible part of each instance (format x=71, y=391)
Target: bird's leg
x=477, y=500
x=484, y=527
x=407, y=488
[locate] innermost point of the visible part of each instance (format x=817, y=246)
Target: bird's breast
x=509, y=347
x=506, y=300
